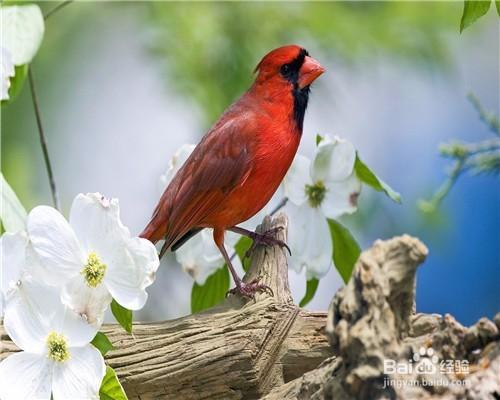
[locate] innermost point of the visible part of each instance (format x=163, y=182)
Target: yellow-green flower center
x=93, y=271
x=57, y=347
x=316, y=193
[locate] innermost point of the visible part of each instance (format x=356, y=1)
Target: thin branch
x=279, y=206
x=490, y=119
x=56, y=9
x=460, y=150
x=43, y=141
x=430, y=206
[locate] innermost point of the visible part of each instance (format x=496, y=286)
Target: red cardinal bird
x=238, y=165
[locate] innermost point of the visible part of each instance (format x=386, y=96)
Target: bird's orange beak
x=309, y=71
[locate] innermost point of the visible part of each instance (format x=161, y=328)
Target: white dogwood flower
x=93, y=256
x=57, y=358
x=326, y=188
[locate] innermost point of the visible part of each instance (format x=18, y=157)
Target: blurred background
x=123, y=85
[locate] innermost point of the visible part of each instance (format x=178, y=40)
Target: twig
x=43, y=141
x=459, y=149
x=431, y=205
x=279, y=206
x=489, y=119
x=56, y=9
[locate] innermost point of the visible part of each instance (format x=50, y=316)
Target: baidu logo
x=425, y=364
x=425, y=361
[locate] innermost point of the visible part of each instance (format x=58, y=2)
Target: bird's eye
x=285, y=69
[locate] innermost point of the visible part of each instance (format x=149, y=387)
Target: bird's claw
x=267, y=238
x=249, y=289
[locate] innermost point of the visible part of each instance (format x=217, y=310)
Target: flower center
x=316, y=193
x=57, y=347
x=93, y=271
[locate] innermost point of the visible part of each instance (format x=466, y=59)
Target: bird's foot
x=249, y=289
x=267, y=238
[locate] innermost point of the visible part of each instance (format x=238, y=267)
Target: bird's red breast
x=238, y=165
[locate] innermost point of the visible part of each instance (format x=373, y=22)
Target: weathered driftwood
x=372, y=320
x=239, y=349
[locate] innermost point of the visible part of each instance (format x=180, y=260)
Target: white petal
x=176, y=162
x=22, y=31
x=342, y=197
x=4, y=88
x=30, y=312
x=131, y=268
x=25, y=376
x=7, y=69
x=76, y=329
x=146, y=259
x=200, y=257
x=36, y=270
x=55, y=243
x=296, y=179
x=91, y=303
x=309, y=240
x=334, y=160
x=13, y=258
x=79, y=377
x=6, y=72
x=96, y=222
x=18, y=259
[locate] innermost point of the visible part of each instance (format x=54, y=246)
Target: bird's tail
x=150, y=233
x=154, y=230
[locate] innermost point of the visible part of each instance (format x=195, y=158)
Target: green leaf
x=111, y=388
x=346, y=250
x=319, y=138
x=12, y=212
x=102, y=343
x=311, y=286
x=212, y=292
x=16, y=82
x=473, y=10
x=497, y=3
x=367, y=176
x=241, y=248
x=123, y=315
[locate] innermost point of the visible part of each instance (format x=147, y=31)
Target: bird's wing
x=220, y=163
